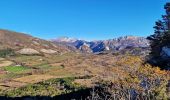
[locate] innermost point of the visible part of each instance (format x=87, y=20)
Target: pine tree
x=161, y=36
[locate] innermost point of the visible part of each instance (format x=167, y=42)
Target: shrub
x=6, y=52
x=52, y=87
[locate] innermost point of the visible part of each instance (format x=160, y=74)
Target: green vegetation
x=126, y=75
x=160, y=39
x=50, y=87
x=15, y=69
x=6, y=52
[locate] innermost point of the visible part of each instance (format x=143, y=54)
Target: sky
x=82, y=19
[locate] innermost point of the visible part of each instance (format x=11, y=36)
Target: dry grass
x=12, y=84
x=2, y=59
x=102, y=67
x=5, y=63
x=85, y=82
x=33, y=78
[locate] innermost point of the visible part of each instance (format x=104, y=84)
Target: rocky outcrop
x=48, y=51
x=85, y=48
x=28, y=51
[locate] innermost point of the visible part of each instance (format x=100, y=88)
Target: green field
x=15, y=69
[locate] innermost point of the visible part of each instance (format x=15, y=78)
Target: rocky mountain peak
x=65, y=39
x=107, y=45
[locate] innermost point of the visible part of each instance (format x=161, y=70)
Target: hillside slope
x=20, y=41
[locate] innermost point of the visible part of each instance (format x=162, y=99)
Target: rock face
x=85, y=48
x=28, y=51
x=117, y=44
x=48, y=51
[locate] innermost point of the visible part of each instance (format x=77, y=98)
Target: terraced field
x=4, y=62
x=89, y=70
x=21, y=70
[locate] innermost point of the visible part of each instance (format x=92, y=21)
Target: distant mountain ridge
x=27, y=44
x=116, y=44
x=65, y=39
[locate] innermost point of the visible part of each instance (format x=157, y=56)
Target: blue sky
x=83, y=19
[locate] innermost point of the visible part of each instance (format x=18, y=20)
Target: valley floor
x=53, y=75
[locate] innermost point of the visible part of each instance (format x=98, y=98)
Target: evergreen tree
x=161, y=36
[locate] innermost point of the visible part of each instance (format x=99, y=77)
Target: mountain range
x=111, y=45
x=26, y=44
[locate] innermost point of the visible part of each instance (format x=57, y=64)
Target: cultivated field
x=86, y=69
